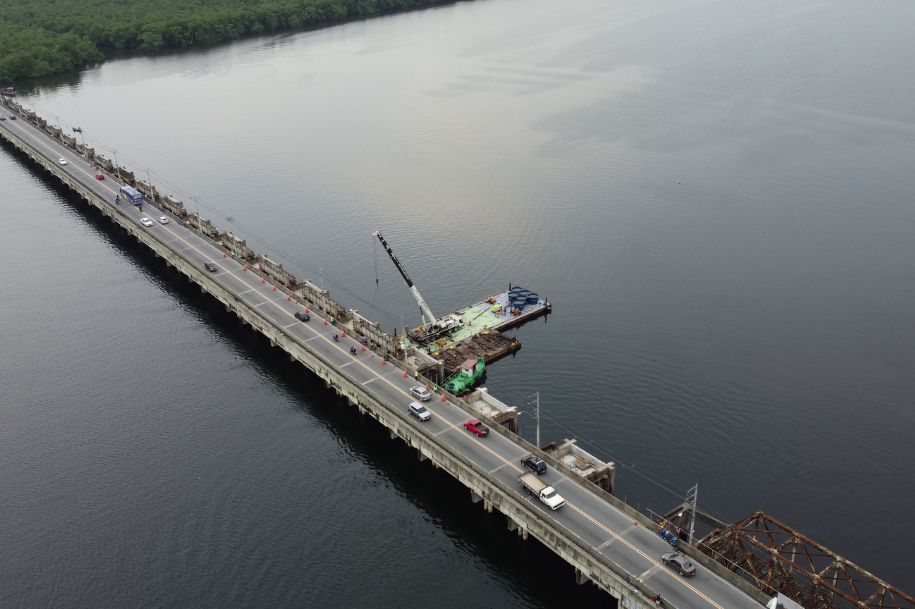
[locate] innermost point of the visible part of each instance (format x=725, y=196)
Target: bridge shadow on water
x=535, y=573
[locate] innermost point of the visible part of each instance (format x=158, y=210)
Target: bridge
x=607, y=542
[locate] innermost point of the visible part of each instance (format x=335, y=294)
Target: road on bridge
x=586, y=516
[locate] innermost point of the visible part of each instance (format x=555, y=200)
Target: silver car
x=420, y=393
x=163, y=219
x=146, y=221
x=419, y=411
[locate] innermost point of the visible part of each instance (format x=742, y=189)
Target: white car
x=62, y=161
x=420, y=393
x=146, y=221
x=163, y=220
x=419, y=411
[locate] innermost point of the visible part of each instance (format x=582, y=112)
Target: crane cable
x=375, y=294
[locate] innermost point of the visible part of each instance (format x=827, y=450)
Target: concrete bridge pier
x=580, y=577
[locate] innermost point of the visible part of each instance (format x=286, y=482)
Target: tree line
x=45, y=37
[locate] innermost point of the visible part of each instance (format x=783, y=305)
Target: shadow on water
x=538, y=573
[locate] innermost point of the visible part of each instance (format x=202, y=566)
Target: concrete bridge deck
x=607, y=542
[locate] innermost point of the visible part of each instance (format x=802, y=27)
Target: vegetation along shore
x=45, y=37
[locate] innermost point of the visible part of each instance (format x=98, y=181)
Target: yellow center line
x=454, y=426
x=641, y=553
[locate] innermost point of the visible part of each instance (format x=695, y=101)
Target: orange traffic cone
x=405, y=375
x=444, y=399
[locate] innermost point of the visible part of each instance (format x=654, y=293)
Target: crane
x=432, y=325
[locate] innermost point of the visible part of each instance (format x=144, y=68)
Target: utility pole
x=692, y=496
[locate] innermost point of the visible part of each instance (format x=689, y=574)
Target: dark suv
x=535, y=464
x=208, y=265
x=679, y=563
x=302, y=316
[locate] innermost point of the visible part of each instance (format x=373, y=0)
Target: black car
x=210, y=267
x=535, y=464
x=302, y=316
x=12, y=117
x=679, y=563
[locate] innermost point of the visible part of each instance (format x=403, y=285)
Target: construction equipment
x=464, y=379
x=432, y=326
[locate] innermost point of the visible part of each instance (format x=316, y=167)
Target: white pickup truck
x=546, y=493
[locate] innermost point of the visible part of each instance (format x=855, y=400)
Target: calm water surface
x=716, y=197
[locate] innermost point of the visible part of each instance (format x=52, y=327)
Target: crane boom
x=428, y=316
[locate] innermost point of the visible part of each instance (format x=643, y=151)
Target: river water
x=716, y=197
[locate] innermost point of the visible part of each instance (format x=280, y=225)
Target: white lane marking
x=647, y=571
x=262, y=304
x=348, y=363
x=629, y=528
x=371, y=380
x=240, y=293
x=498, y=467
x=605, y=544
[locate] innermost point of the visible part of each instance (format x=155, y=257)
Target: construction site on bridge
x=452, y=351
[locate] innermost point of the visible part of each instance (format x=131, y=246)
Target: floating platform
x=483, y=324
x=491, y=346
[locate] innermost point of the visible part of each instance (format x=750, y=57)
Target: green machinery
x=465, y=378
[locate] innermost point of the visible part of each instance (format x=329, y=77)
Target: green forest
x=44, y=37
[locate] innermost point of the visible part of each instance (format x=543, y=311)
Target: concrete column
x=487, y=505
x=581, y=578
x=474, y=498
x=512, y=525
x=421, y=456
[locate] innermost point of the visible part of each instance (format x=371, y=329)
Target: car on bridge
x=163, y=219
x=535, y=464
x=419, y=411
x=420, y=393
x=210, y=267
x=99, y=176
x=146, y=222
x=302, y=316
x=679, y=563
x=62, y=161
x=476, y=426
